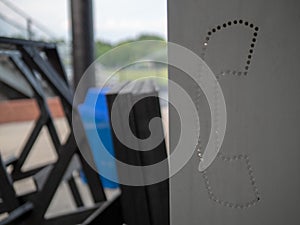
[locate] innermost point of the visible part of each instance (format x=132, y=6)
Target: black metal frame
x=26, y=56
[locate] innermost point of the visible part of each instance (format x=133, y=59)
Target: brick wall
x=27, y=109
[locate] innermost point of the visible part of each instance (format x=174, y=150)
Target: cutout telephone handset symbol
x=216, y=99
x=218, y=126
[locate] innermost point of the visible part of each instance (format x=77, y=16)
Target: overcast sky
x=114, y=20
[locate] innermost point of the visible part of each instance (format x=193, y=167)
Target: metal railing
x=16, y=22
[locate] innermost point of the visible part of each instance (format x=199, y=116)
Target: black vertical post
x=83, y=57
x=83, y=39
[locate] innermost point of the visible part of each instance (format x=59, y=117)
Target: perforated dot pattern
x=240, y=22
x=245, y=205
x=230, y=159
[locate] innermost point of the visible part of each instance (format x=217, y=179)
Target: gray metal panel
x=14, y=79
x=263, y=113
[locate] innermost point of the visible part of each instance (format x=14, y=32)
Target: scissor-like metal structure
x=39, y=62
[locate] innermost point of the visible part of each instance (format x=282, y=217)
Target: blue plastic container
x=101, y=118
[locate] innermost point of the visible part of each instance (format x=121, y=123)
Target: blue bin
x=101, y=117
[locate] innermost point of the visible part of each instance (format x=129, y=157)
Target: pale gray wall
x=263, y=113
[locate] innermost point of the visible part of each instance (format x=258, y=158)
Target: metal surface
x=8, y=195
x=11, y=79
x=109, y=213
x=83, y=38
x=48, y=177
x=255, y=57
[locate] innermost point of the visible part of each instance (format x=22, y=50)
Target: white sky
x=114, y=20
